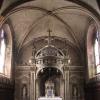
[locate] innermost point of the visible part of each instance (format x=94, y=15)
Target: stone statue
x=24, y=92
x=75, y=91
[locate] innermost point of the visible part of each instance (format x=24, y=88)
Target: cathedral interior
x=49, y=50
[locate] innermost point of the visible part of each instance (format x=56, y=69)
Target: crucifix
x=49, y=36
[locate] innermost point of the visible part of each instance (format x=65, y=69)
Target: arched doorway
x=45, y=77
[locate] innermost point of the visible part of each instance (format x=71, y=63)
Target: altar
x=50, y=98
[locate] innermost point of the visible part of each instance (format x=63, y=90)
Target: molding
x=25, y=68
x=74, y=68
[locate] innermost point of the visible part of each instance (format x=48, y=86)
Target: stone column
x=67, y=88
x=62, y=91
x=32, y=86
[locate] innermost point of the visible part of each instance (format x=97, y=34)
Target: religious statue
x=75, y=91
x=24, y=92
x=49, y=89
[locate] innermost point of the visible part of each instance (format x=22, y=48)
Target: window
x=96, y=53
x=6, y=51
x=2, y=50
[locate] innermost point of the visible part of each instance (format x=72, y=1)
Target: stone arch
x=93, y=28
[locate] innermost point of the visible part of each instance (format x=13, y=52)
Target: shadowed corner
x=1, y=2
x=98, y=1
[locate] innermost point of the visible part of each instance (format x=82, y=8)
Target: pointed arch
x=6, y=51
x=93, y=52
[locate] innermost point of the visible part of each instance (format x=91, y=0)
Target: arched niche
x=22, y=87
x=76, y=87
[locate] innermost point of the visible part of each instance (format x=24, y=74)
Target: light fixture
x=30, y=61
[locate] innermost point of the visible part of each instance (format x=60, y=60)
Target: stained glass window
x=2, y=50
x=97, y=55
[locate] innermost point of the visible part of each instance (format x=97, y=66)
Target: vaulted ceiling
x=67, y=21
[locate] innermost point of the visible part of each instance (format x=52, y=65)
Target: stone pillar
x=32, y=86
x=62, y=91
x=67, y=89
x=37, y=88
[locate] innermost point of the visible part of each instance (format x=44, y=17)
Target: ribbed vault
x=68, y=21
